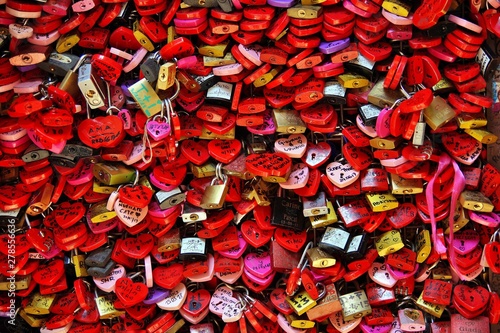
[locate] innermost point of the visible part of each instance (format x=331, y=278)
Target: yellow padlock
x=353, y=80
x=381, y=202
x=166, y=76
x=67, y=41
x=460, y=218
x=397, y=7
x=288, y=121
x=301, y=302
x=319, y=258
x=99, y=213
x=209, y=61
x=141, y=37
x=39, y=304
x=33, y=321
x=401, y=185
x=217, y=51
x=471, y=120
x=106, y=308
x=204, y=170
x=482, y=135
x=320, y=221
x=355, y=305
x=389, y=242
x=423, y=245
x=435, y=310
x=304, y=12
x=476, y=201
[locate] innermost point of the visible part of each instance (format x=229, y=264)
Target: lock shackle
x=133, y=275
x=303, y=259
x=314, y=137
x=495, y=235
x=81, y=61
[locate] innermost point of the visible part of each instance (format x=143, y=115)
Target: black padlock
x=206, y=81
x=99, y=257
x=335, y=240
x=101, y=271
x=151, y=67
x=357, y=247
x=287, y=213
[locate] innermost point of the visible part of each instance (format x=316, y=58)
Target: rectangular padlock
x=193, y=214
x=193, y=249
x=319, y=258
x=355, y=305
x=335, y=240
x=113, y=173
x=144, y=94
x=288, y=121
x=214, y=195
x=321, y=221
x=314, y=206
x=93, y=88
x=168, y=199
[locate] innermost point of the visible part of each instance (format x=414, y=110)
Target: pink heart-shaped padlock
x=209, y=274
x=107, y=283
x=375, y=328
x=294, y=146
x=259, y=264
x=231, y=277
x=341, y=175
x=175, y=300
x=129, y=215
x=267, y=128
x=378, y=273
x=298, y=177
x=225, y=305
x=158, y=130
x=341, y=325
x=236, y=251
x=465, y=241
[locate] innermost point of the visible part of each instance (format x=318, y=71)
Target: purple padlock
x=335, y=46
x=155, y=295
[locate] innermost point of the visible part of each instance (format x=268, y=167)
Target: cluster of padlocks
x=253, y=166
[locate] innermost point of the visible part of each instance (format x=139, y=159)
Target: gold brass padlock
x=141, y=37
x=386, y=143
x=460, y=218
x=215, y=193
x=438, y=113
x=114, y=173
x=209, y=135
x=423, y=245
x=176, y=326
x=267, y=77
x=301, y=302
x=78, y=261
x=381, y=202
x=444, y=86
x=170, y=241
x=321, y=221
x=319, y=258
x=288, y=121
x=20, y=283
x=355, y=305
x=67, y=42
x=202, y=171
x=401, y=185
x=106, y=308
x=304, y=12
x=476, y=201
x=166, y=76
x=33, y=321
x=238, y=168
x=442, y=273
x=382, y=97
x=389, y=242
x=99, y=187
x=299, y=323
x=435, y=310
x=228, y=59
x=39, y=305
x=41, y=200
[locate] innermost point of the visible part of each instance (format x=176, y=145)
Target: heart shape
x=280, y=96
x=43, y=241
x=291, y=240
x=158, y=130
x=471, y=298
x=140, y=311
x=312, y=186
x=374, y=328
x=316, y=154
x=226, y=240
x=195, y=151
x=487, y=219
x=136, y=196
x=263, y=215
x=138, y=247
x=492, y=256
x=458, y=144
x=266, y=128
x=471, y=259
x=175, y=300
x=298, y=177
x=101, y=131
x=378, y=273
x=225, y=305
x=341, y=175
x=196, y=302
x=130, y=292
x=70, y=234
x=237, y=251
x=168, y=277
x=403, y=215
x=341, y=325
x=67, y=213
x=223, y=127
x=294, y=146
x=107, y=283
x=231, y=277
x=269, y=164
x=13, y=194
x=359, y=158
x=49, y=273
x=23, y=245
x=129, y=215
x=278, y=299
x=259, y=264
x=224, y=151
x=266, y=281
x=82, y=173
x=205, y=277
x=172, y=177
x=254, y=235
x=465, y=241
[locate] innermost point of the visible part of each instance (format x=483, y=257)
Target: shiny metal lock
x=113, y=173
x=314, y=206
x=169, y=199
x=151, y=68
x=93, y=87
x=193, y=249
x=287, y=213
x=288, y=121
x=369, y=113
x=357, y=247
x=319, y=258
x=193, y=214
x=215, y=194
x=204, y=170
x=334, y=92
x=335, y=240
x=438, y=113
x=169, y=241
x=320, y=221
x=476, y=201
x=59, y=63
x=355, y=305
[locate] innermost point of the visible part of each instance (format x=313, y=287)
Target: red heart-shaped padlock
x=140, y=311
x=263, y=215
x=224, y=151
x=403, y=215
x=138, y=247
x=21, y=241
x=130, y=292
x=269, y=164
x=316, y=154
x=136, y=196
x=101, y=132
x=223, y=127
x=278, y=298
x=471, y=298
x=49, y=274
x=196, y=302
x=254, y=235
x=13, y=194
x=458, y=144
x=67, y=213
x=195, y=151
x=291, y=240
x=168, y=277
x=492, y=256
